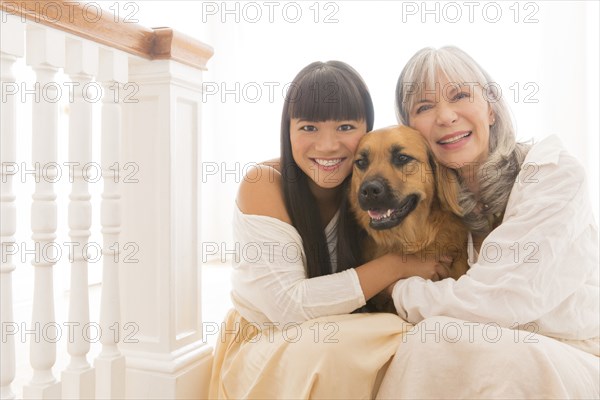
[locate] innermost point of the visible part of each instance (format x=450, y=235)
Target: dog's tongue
x=377, y=214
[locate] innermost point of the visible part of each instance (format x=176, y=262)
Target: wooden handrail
x=79, y=19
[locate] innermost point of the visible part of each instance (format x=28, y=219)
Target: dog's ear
x=446, y=186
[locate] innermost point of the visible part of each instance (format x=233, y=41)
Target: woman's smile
x=455, y=140
x=328, y=164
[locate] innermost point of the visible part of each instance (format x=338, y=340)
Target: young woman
x=524, y=321
x=294, y=287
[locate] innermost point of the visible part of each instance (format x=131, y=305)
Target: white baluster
x=110, y=364
x=45, y=53
x=12, y=43
x=78, y=379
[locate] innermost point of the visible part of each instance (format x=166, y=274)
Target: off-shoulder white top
x=269, y=283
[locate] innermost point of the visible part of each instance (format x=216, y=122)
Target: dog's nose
x=372, y=190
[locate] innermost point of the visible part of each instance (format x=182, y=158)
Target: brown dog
x=405, y=200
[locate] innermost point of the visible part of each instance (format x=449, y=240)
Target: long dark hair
x=321, y=92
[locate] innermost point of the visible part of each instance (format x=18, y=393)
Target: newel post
x=159, y=276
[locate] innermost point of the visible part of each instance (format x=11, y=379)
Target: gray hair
x=497, y=175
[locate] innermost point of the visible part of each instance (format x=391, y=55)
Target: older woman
x=524, y=320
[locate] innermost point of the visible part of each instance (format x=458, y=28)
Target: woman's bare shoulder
x=261, y=192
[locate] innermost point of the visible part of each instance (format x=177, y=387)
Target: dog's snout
x=372, y=190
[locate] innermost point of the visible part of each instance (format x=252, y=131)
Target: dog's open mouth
x=388, y=218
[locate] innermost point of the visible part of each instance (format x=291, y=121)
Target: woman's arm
x=380, y=273
x=538, y=265
x=276, y=283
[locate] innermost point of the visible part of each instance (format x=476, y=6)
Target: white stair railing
x=149, y=118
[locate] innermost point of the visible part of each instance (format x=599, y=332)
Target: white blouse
x=540, y=266
x=269, y=283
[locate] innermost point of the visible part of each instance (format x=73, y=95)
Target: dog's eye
x=401, y=159
x=361, y=163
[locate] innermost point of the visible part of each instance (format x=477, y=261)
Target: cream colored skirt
x=336, y=357
x=347, y=356
x=448, y=358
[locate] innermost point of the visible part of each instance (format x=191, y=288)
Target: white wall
x=548, y=51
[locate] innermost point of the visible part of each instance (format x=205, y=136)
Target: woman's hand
x=413, y=265
x=378, y=274
x=434, y=270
